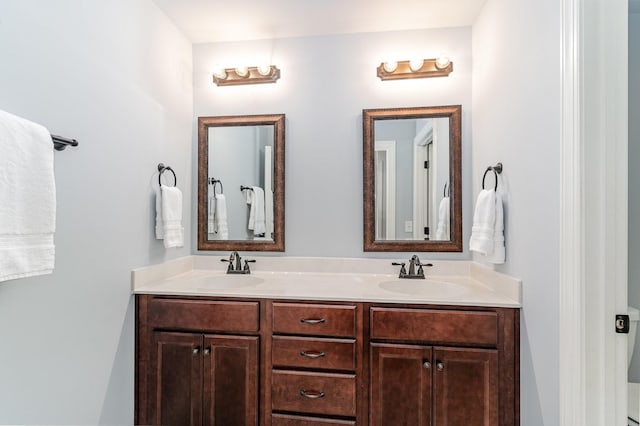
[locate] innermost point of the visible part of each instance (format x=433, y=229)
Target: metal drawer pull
x=439, y=366
x=312, y=321
x=312, y=354
x=426, y=364
x=311, y=394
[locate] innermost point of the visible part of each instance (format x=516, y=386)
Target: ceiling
x=206, y=21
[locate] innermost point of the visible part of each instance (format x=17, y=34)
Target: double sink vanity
x=325, y=341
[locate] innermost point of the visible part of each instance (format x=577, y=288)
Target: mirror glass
x=241, y=183
x=412, y=179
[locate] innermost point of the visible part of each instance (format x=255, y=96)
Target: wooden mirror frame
x=369, y=117
x=204, y=123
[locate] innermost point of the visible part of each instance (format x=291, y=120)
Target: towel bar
x=497, y=169
x=60, y=143
x=161, y=169
x=242, y=188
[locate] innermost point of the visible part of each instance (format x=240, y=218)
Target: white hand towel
x=211, y=226
x=442, y=232
x=256, y=214
x=498, y=255
x=27, y=199
x=172, y=216
x=159, y=221
x=484, y=218
x=222, y=228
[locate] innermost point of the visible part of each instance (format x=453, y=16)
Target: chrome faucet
x=416, y=270
x=234, y=257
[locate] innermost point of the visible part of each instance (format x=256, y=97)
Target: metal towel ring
x=161, y=170
x=497, y=169
x=446, y=190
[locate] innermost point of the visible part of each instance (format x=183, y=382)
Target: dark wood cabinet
x=233, y=361
x=424, y=386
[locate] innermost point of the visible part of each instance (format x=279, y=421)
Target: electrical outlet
x=408, y=226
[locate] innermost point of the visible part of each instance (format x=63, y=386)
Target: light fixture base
x=404, y=71
x=253, y=76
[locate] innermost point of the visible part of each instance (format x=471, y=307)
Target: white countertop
x=366, y=280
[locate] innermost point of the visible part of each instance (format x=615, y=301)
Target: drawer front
x=289, y=420
x=435, y=326
x=204, y=315
x=314, y=320
x=302, y=352
x=314, y=393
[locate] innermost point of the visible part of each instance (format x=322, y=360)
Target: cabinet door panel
x=466, y=387
x=400, y=385
x=231, y=380
x=176, y=382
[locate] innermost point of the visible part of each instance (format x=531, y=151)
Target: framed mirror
x=241, y=183
x=412, y=179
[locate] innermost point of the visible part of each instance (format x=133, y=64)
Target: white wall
x=326, y=83
x=516, y=120
x=115, y=75
x=634, y=176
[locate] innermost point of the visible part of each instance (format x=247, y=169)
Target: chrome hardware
x=311, y=394
x=234, y=257
x=207, y=351
x=196, y=351
x=426, y=364
x=415, y=268
x=312, y=354
x=313, y=320
x=440, y=365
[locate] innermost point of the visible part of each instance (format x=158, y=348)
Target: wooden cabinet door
x=176, y=382
x=230, y=380
x=401, y=385
x=465, y=387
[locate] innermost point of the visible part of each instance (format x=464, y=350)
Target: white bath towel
x=442, y=232
x=159, y=221
x=171, y=204
x=256, y=214
x=221, y=226
x=27, y=199
x=498, y=254
x=484, y=218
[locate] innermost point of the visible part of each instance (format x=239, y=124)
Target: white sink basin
x=223, y=282
x=424, y=287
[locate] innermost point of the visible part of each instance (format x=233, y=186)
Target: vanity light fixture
x=440, y=67
x=246, y=75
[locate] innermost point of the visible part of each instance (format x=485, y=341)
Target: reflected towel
x=27, y=199
x=211, y=227
x=442, y=232
x=484, y=218
x=221, y=226
x=256, y=215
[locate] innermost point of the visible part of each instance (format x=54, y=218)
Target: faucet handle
x=246, y=265
x=403, y=270
x=420, y=270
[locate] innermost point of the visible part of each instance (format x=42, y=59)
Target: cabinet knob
x=311, y=394
x=426, y=364
x=440, y=365
x=196, y=351
x=207, y=351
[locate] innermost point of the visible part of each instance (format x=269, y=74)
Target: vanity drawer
x=303, y=352
x=435, y=326
x=314, y=393
x=314, y=320
x=204, y=315
x=289, y=420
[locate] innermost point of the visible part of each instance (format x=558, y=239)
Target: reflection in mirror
x=241, y=183
x=412, y=179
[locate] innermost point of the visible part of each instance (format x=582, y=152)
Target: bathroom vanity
x=293, y=344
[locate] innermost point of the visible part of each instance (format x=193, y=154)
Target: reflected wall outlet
x=408, y=226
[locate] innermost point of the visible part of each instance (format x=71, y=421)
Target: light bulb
x=390, y=66
x=242, y=71
x=442, y=62
x=264, y=69
x=416, y=64
x=220, y=73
